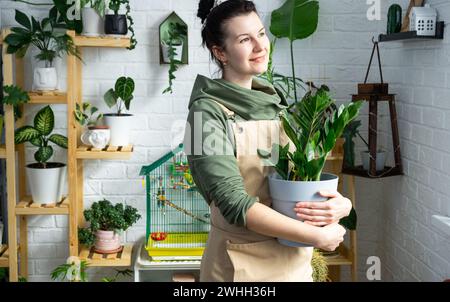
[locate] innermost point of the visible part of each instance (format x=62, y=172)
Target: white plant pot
x=178, y=51
x=379, y=163
x=45, y=78
x=120, y=126
x=46, y=185
x=97, y=137
x=93, y=23
x=285, y=194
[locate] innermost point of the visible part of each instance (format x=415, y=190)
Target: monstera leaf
x=295, y=19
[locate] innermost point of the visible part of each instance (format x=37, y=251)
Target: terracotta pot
x=107, y=242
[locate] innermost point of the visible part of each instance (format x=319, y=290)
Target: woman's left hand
x=324, y=212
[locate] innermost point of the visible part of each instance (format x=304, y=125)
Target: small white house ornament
x=423, y=20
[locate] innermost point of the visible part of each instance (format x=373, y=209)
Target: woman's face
x=246, y=45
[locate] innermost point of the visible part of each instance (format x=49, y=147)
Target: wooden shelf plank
x=4, y=256
x=117, y=259
x=2, y=151
x=102, y=41
x=47, y=97
x=27, y=207
x=109, y=152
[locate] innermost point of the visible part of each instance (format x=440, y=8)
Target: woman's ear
x=219, y=54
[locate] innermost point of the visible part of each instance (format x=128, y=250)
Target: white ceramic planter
x=285, y=194
x=45, y=78
x=107, y=242
x=379, y=162
x=46, y=185
x=165, y=52
x=120, y=126
x=98, y=137
x=93, y=23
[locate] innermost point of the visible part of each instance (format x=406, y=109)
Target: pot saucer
x=108, y=252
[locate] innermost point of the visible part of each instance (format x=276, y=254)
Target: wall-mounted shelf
x=412, y=35
x=102, y=41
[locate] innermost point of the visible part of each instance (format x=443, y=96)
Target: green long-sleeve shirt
x=209, y=140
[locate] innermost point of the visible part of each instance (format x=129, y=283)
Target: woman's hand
x=330, y=237
x=324, y=212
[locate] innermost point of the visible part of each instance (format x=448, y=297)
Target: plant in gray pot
x=313, y=126
x=119, y=123
x=46, y=179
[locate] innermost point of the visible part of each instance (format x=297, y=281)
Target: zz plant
x=313, y=131
x=40, y=135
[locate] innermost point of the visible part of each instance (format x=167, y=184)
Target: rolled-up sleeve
x=216, y=173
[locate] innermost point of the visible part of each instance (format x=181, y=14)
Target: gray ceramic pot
x=285, y=194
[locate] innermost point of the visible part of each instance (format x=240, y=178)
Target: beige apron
x=235, y=253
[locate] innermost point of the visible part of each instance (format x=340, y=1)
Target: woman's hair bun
x=204, y=8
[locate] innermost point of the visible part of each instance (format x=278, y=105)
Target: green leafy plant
x=121, y=95
x=73, y=272
x=105, y=216
x=176, y=33
x=43, y=35
x=62, y=12
x=295, y=19
x=15, y=96
x=114, y=5
x=40, y=135
x=313, y=133
x=85, y=114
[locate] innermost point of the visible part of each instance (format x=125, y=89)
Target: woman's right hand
x=330, y=237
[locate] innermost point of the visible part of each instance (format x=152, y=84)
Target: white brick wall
x=394, y=213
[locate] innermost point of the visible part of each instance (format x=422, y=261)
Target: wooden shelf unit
x=92, y=258
x=4, y=256
x=71, y=205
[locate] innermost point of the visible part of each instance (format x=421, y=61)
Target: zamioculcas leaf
x=59, y=140
x=22, y=19
x=44, y=121
x=43, y=154
x=25, y=134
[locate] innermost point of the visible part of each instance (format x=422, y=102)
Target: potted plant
x=46, y=179
x=352, y=131
x=313, y=133
x=172, y=49
x=116, y=24
x=15, y=96
x=120, y=123
x=88, y=117
x=50, y=42
x=92, y=14
x=105, y=221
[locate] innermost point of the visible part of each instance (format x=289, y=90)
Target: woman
x=226, y=117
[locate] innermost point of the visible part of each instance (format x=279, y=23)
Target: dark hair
x=213, y=20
